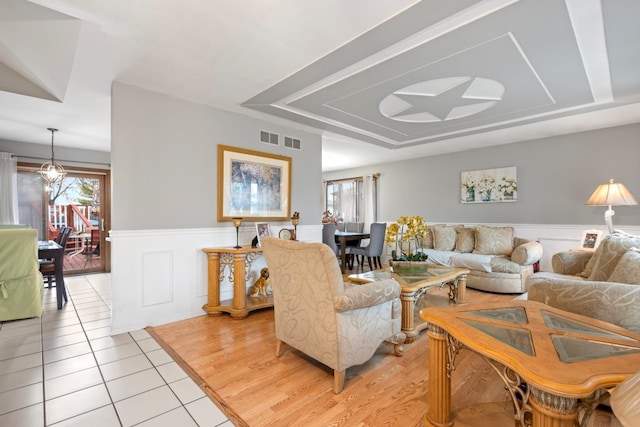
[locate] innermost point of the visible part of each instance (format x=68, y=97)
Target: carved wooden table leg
x=549, y=410
x=462, y=289
x=439, y=412
x=239, y=287
x=408, y=300
x=213, y=299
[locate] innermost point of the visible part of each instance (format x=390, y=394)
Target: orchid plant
x=405, y=235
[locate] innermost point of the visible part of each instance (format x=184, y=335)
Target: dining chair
x=91, y=247
x=374, y=249
x=353, y=227
x=47, y=266
x=329, y=236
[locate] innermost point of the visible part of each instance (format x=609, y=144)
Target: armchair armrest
x=367, y=295
x=527, y=253
x=571, y=262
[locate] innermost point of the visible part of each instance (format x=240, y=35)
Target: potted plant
x=405, y=237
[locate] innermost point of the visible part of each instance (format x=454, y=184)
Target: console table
x=237, y=264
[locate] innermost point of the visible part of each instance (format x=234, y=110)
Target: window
x=344, y=199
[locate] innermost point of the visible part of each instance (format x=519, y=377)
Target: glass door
x=78, y=201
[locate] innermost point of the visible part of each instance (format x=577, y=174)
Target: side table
x=237, y=262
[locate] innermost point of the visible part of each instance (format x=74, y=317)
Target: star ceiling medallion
x=442, y=99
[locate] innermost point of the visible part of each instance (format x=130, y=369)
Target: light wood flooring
x=235, y=360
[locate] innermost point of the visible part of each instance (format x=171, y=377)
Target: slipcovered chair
x=316, y=313
x=21, y=283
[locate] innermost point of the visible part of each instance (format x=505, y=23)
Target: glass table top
x=573, y=340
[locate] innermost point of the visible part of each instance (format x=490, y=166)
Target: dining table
x=343, y=237
x=51, y=250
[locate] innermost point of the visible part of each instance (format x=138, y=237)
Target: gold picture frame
x=253, y=185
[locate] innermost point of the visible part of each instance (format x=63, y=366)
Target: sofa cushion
x=427, y=241
x=493, y=240
x=628, y=268
x=444, y=237
x=613, y=248
x=471, y=261
x=504, y=265
x=465, y=239
x=439, y=257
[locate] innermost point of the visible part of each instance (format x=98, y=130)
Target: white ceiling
x=380, y=80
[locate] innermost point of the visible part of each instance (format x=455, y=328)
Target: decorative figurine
x=260, y=286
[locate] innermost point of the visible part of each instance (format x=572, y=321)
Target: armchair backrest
x=18, y=253
x=376, y=241
x=329, y=236
x=304, y=278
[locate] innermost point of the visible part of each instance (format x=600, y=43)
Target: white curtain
x=369, y=201
x=8, y=189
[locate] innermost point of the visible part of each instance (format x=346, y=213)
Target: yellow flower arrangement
x=408, y=229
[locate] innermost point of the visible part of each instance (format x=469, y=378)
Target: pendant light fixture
x=52, y=172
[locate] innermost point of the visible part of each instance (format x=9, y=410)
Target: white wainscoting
x=160, y=276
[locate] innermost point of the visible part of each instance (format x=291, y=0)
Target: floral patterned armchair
x=316, y=313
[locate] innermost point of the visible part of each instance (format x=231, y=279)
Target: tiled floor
x=63, y=369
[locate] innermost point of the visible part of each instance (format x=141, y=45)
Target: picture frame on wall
x=590, y=239
x=496, y=185
x=263, y=229
x=253, y=185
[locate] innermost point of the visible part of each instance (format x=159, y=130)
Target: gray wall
x=556, y=176
x=39, y=153
x=164, y=156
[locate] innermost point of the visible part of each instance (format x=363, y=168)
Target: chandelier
x=52, y=172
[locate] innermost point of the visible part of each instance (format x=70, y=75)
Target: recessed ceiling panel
x=488, y=66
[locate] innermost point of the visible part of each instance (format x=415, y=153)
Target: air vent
x=291, y=143
x=269, y=138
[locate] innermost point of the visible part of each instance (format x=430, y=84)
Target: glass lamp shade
x=236, y=222
x=52, y=172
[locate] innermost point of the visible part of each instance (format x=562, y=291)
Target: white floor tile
x=116, y=353
x=159, y=357
x=72, y=350
x=9, y=351
x=20, y=378
x=149, y=345
x=111, y=341
x=187, y=390
x=54, y=342
x=177, y=417
x=206, y=413
x=146, y=405
x=20, y=398
x=19, y=363
x=96, y=324
x=123, y=367
x=98, y=333
x=140, y=334
x=26, y=417
x=79, y=402
x=73, y=382
x=68, y=366
x=59, y=332
x=101, y=417
x=171, y=372
x=125, y=387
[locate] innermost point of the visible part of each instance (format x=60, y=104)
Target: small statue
x=260, y=286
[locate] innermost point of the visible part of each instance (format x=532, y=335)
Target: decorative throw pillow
x=427, y=242
x=465, y=239
x=628, y=268
x=493, y=240
x=588, y=269
x=444, y=237
x=613, y=249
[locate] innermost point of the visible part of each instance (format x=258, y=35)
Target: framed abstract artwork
x=253, y=185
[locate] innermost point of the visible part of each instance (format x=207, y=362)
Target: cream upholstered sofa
x=316, y=313
x=498, y=261
x=601, y=284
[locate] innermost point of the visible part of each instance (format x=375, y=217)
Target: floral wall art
x=489, y=185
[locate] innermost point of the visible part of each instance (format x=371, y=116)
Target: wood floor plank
x=236, y=360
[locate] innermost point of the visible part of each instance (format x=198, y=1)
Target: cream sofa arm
x=368, y=295
x=572, y=262
x=527, y=253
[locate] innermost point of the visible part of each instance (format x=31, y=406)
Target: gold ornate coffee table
x=415, y=283
x=556, y=365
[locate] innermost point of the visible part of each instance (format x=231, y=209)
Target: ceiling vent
x=290, y=142
x=269, y=138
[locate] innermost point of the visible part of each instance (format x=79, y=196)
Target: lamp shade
x=611, y=194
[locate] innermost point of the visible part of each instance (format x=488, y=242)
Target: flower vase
x=471, y=194
x=508, y=196
x=409, y=268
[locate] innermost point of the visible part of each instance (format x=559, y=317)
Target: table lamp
x=236, y=224
x=611, y=194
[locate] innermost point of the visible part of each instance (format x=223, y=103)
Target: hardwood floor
x=235, y=362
